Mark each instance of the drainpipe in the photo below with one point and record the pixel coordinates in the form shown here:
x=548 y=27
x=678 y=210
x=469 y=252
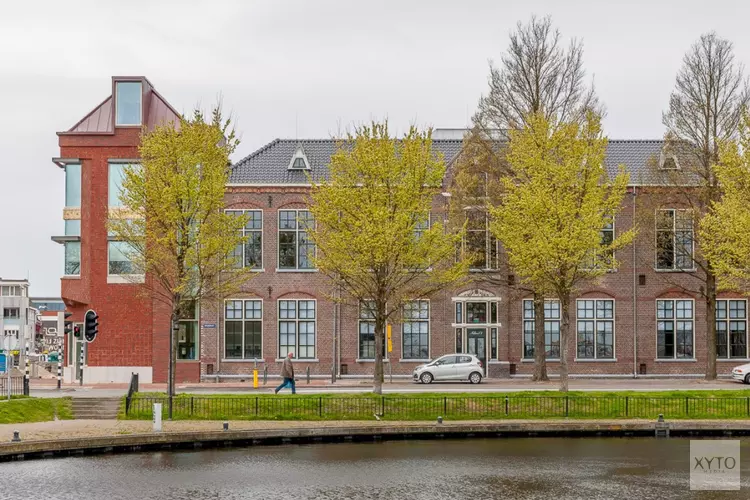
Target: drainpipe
x=635 y=299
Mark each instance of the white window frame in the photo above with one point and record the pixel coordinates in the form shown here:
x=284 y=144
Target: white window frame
x=674 y=319
x=596 y=322
x=243 y=320
x=197 y=320
x=490 y=264
x=299 y=153
x=297 y=321
x=296 y=230
x=429 y=330
x=728 y=320
x=674 y=267
x=524 y=320
x=122 y=278
x=246 y=232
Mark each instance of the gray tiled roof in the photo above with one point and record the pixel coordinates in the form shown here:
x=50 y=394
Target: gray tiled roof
x=270 y=164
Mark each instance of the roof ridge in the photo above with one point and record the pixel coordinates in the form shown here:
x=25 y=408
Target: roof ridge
x=635 y=140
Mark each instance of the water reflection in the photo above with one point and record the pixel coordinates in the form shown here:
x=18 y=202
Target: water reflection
x=549 y=469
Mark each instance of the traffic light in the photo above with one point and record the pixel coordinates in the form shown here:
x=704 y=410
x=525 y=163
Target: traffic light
x=68 y=326
x=90 y=325
x=77 y=332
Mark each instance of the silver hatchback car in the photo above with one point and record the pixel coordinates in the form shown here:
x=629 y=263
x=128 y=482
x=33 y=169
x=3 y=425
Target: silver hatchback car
x=450 y=367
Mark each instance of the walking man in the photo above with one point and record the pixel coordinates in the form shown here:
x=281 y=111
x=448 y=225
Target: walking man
x=287 y=373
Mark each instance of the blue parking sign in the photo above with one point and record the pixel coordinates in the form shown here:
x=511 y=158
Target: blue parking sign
x=3 y=357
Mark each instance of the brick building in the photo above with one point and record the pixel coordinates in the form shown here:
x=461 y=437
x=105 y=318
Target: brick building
x=133 y=334
x=644 y=318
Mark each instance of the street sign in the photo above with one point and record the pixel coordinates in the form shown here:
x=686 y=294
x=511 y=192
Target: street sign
x=3 y=362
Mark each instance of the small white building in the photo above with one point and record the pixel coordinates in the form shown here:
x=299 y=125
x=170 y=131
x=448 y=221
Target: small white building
x=18 y=320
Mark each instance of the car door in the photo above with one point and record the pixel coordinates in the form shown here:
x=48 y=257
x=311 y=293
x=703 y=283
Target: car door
x=445 y=368
x=464 y=367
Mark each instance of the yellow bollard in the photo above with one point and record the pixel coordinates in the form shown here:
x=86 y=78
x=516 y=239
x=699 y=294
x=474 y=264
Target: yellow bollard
x=255 y=379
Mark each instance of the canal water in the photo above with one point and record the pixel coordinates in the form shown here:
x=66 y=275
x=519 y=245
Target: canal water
x=531 y=468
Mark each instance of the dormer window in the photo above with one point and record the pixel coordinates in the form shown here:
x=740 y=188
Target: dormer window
x=299 y=161
x=668 y=161
x=128 y=103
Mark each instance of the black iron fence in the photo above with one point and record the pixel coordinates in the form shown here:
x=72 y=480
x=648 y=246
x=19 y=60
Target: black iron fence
x=429 y=408
x=15 y=384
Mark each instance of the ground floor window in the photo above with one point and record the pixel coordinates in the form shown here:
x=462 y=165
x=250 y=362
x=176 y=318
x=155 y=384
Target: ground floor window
x=297 y=328
x=674 y=329
x=367 y=331
x=243 y=338
x=731 y=328
x=596 y=329
x=551 y=329
x=188 y=333
x=415 y=330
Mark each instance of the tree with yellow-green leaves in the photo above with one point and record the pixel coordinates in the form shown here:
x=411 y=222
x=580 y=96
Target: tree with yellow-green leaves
x=376 y=239
x=555 y=204
x=724 y=230
x=172 y=222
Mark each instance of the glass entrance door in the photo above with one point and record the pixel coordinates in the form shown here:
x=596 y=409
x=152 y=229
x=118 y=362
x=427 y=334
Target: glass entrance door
x=476 y=344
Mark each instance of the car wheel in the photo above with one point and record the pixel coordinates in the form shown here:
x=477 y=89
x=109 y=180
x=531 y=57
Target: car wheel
x=475 y=377
x=747 y=378
x=426 y=378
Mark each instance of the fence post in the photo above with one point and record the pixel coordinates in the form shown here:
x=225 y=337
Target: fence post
x=566 y=406
x=192 y=406
x=445 y=406
x=687 y=410
x=320 y=406
x=256 y=406
x=626 y=405
x=382 y=406
x=748 y=406
x=506 y=406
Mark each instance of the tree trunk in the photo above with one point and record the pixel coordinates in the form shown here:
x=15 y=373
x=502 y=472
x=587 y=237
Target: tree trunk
x=377 y=381
x=711 y=325
x=540 y=357
x=564 y=335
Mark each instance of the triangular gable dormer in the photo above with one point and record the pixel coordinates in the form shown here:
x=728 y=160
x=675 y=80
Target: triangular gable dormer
x=668 y=161
x=299 y=160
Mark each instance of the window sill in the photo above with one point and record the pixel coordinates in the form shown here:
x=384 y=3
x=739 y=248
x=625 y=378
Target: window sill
x=248 y=360
x=188 y=361
x=595 y=360
x=675 y=270
x=673 y=360
x=556 y=360
x=402 y=360
x=732 y=360
x=296 y=270
x=126 y=279
x=297 y=360
x=370 y=360
x=496 y=362
x=71 y=277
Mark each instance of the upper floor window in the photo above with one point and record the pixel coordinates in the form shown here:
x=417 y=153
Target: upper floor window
x=674 y=329
x=250 y=252
x=11 y=313
x=480 y=245
x=596 y=329
x=551 y=329
x=296 y=249
x=73 y=227
x=674 y=240
x=73 y=185
x=11 y=291
x=121 y=256
x=299 y=161
x=128 y=100
x=72 y=258
x=731 y=329
x=116 y=176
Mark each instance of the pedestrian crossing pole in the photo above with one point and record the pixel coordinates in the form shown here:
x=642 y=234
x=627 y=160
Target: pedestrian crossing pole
x=26 y=373
x=59 y=367
x=80 y=380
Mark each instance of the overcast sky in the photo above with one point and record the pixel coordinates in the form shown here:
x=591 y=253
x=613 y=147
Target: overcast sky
x=302 y=69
